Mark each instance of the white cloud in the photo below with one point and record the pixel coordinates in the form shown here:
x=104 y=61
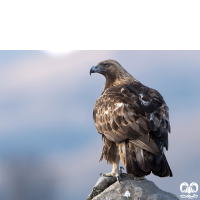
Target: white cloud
x=58 y=52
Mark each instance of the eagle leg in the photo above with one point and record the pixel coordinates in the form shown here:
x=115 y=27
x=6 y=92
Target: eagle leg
x=116 y=170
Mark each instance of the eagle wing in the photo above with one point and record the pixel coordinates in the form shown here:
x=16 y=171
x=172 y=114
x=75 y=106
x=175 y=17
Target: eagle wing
x=135 y=113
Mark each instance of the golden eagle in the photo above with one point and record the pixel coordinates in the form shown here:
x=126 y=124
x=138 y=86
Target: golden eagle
x=134 y=122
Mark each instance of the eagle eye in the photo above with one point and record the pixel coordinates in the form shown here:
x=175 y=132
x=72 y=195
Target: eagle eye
x=106 y=65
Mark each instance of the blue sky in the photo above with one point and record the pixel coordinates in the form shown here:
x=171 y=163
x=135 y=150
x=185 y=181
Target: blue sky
x=46 y=108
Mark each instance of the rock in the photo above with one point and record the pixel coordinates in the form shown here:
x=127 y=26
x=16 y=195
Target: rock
x=101 y=185
x=107 y=188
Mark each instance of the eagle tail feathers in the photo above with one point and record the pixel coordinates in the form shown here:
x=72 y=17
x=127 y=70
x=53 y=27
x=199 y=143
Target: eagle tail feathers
x=140 y=162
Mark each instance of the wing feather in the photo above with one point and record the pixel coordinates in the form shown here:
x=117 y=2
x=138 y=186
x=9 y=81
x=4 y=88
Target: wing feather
x=132 y=112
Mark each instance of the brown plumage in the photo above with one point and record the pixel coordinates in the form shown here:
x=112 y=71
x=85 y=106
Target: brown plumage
x=134 y=119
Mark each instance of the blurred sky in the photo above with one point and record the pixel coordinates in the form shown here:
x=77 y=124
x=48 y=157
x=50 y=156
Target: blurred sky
x=49 y=147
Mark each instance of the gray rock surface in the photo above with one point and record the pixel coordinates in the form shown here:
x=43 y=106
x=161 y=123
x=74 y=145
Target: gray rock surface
x=101 y=185
x=107 y=188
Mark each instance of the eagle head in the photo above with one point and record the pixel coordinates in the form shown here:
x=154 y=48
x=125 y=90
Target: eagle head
x=106 y=68
x=114 y=73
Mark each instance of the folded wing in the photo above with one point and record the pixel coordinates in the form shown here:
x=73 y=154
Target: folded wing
x=135 y=113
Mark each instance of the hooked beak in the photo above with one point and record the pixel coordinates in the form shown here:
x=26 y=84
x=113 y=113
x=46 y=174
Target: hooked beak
x=97 y=69
x=93 y=70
